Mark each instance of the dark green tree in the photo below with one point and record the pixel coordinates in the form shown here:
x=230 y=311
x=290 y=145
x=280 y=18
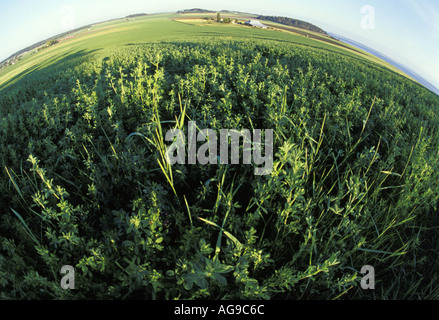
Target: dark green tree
x=51 y=42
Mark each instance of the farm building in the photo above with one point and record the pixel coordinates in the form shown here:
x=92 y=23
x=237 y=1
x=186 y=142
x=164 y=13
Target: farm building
x=256 y=23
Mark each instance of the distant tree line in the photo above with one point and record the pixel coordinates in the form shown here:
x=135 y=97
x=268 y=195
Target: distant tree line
x=136 y=15
x=195 y=10
x=10 y=61
x=51 y=42
x=45 y=42
x=198 y=10
x=293 y=23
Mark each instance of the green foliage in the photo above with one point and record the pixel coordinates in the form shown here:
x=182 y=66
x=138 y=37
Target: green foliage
x=293 y=23
x=51 y=42
x=85 y=182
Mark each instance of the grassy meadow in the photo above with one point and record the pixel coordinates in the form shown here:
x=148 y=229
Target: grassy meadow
x=85 y=181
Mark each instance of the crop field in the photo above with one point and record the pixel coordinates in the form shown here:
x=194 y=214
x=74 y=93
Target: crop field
x=86 y=182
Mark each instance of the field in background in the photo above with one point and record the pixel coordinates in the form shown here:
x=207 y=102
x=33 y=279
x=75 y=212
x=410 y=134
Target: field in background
x=167 y=27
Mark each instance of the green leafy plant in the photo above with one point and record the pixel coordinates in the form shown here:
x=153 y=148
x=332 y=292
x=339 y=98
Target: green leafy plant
x=86 y=181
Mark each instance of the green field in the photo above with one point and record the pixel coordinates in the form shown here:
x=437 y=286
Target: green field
x=108 y=36
x=85 y=181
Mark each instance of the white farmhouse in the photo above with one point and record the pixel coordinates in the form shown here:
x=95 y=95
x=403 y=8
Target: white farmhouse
x=256 y=23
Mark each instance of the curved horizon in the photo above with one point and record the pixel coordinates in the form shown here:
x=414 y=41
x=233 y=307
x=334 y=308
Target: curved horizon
x=407 y=32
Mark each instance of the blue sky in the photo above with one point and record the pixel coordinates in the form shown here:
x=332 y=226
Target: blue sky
x=404 y=30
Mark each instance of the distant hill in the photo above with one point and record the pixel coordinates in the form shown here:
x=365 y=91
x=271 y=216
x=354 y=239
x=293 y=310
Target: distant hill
x=137 y=15
x=195 y=10
x=41 y=43
x=282 y=20
x=198 y=10
x=293 y=23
